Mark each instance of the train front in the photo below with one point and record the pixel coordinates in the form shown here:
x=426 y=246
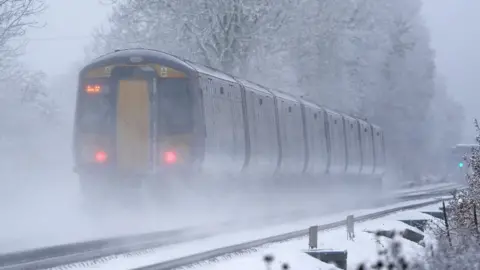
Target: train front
x=134 y=122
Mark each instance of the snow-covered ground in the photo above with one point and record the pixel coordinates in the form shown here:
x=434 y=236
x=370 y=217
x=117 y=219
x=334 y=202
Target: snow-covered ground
x=291 y=251
x=48 y=212
x=363 y=249
x=426 y=188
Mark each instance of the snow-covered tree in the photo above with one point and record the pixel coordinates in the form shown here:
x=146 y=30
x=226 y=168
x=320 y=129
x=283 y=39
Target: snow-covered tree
x=16 y=17
x=402 y=100
x=29 y=113
x=458 y=247
x=224 y=34
x=446 y=119
x=469 y=199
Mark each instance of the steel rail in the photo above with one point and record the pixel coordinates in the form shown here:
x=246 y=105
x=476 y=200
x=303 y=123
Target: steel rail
x=59 y=255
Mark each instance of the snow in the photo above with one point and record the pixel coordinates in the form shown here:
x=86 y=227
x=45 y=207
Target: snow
x=426 y=189
x=362 y=250
x=296 y=259
x=60 y=223
x=129 y=261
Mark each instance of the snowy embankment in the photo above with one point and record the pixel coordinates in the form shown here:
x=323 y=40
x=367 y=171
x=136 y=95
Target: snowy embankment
x=363 y=249
x=288 y=251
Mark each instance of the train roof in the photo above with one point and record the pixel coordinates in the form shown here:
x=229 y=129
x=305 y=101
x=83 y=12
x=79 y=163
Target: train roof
x=211 y=71
x=311 y=104
x=285 y=96
x=139 y=55
x=349 y=117
x=332 y=112
x=363 y=122
x=255 y=87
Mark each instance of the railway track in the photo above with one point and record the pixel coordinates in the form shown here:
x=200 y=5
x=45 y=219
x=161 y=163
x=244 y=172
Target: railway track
x=61 y=255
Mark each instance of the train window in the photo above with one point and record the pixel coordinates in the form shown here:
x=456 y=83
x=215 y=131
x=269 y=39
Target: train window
x=335 y=122
x=289 y=109
x=378 y=133
x=94 y=112
x=351 y=125
x=221 y=90
x=260 y=101
x=315 y=116
x=365 y=129
x=175 y=106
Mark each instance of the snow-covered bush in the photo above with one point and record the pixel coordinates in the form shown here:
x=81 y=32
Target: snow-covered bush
x=466 y=202
x=459 y=246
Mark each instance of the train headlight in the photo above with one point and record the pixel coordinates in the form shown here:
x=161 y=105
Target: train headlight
x=460 y=164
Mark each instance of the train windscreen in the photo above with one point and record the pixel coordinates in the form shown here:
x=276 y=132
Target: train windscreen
x=175 y=107
x=95 y=107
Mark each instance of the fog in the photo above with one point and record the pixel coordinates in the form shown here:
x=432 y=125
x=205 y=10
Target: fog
x=455 y=37
x=337 y=64
x=67 y=30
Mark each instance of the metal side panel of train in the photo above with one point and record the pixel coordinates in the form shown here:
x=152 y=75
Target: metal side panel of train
x=263 y=140
x=379 y=150
x=292 y=142
x=366 y=142
x=225 y=144
x=137 y=113
x=317 y=139
x=352 y=138
x=336 y=136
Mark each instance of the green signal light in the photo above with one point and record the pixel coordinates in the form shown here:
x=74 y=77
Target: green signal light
x=460 y=164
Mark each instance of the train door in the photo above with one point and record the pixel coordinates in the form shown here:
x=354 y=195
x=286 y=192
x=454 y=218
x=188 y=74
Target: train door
x=133 y=118
x=133 y=125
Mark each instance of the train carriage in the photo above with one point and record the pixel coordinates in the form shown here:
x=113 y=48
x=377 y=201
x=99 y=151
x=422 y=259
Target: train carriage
x=316 y=136
x=145 y=114
x=263 y=146
x=352 y=138
x=291 y=131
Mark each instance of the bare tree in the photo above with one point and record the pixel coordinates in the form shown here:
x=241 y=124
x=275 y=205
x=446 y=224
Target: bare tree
x=224 y=34
x=16 y=17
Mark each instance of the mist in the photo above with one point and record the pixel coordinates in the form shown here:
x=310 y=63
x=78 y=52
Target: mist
x=405 y=67
x=455 y=38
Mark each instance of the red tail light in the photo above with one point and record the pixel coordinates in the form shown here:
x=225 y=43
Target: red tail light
x=170 y=157
x=101 y=157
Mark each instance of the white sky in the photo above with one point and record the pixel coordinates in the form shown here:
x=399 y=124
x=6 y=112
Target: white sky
x=454 y=26
x=69 y=24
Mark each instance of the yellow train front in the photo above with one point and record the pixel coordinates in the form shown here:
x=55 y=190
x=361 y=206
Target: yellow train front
x=135 y=119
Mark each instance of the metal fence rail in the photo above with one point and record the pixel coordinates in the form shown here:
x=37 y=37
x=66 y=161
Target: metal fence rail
x=209 y=255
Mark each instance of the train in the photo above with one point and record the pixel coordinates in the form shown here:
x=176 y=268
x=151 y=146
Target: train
x=147 y=114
